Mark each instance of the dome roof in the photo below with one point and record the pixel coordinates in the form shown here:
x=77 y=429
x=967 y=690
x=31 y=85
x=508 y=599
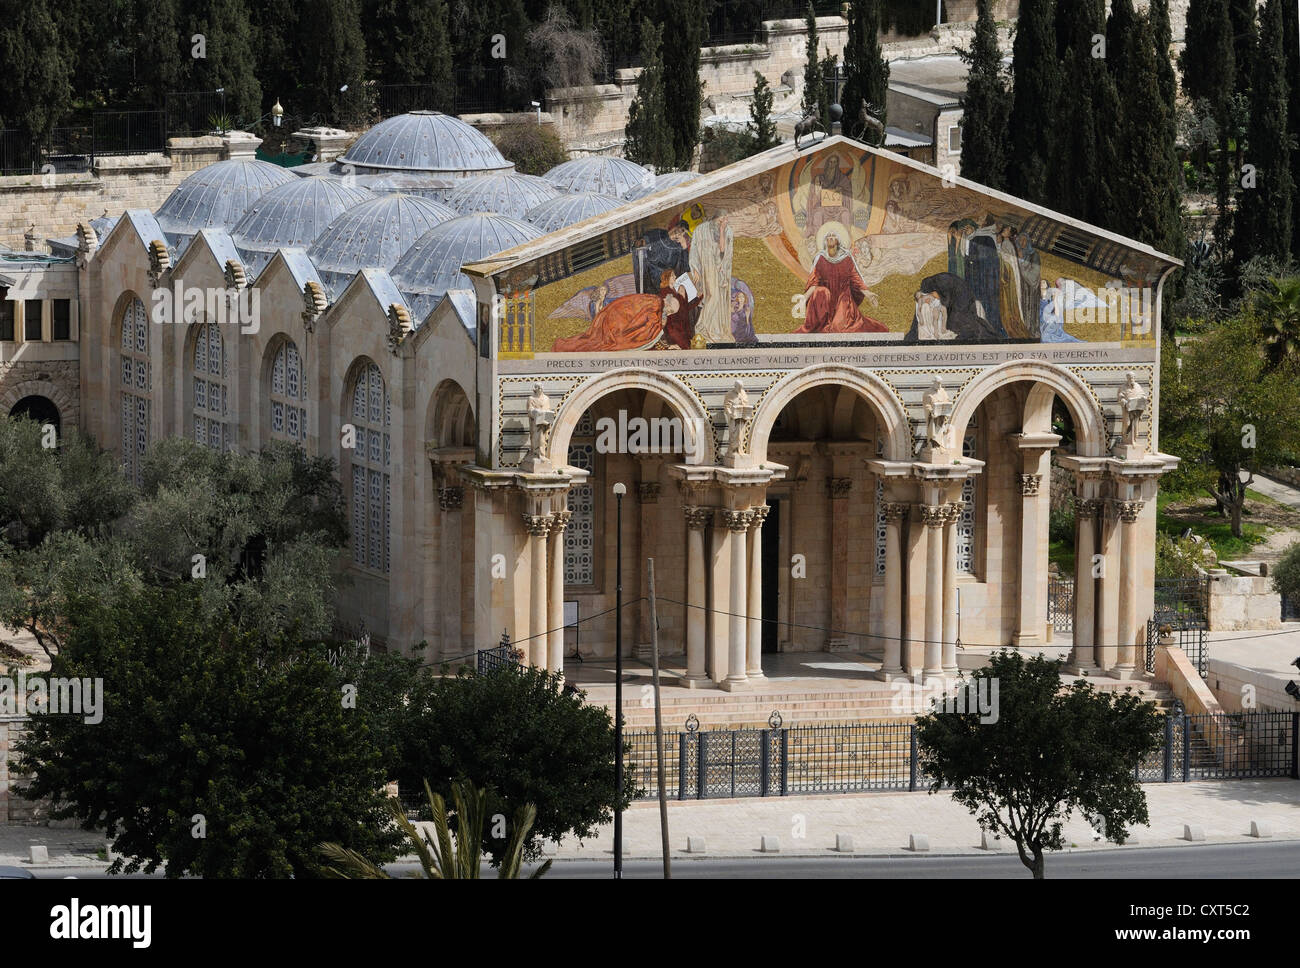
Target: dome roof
x=435 y=187
x=669 y=179
x=432 y=265
x=564 y=210
x=599 y=174
x=508 y=193
x=292 y=215
x=425 y=141
x=375 y=233
x=217 y=196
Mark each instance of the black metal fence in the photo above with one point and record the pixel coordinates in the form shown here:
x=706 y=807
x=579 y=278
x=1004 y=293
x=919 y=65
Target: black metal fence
x=194 y=113
x=129 y=132
x=863 y=757
x=498 y=657
x=75 y=148
x=1060 y=603
x=1183 y=602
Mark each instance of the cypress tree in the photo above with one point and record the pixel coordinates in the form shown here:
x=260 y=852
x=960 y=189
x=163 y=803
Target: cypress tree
x=37 y=90
x=423 y=57
x=649 y=138
x=334 y=56
x=865 y=71
x=1291 y=56
x=683 y=90
x=1119 y=26
x=1209 y=73
x=1264 y=219
x=228 y=62
x=985 y=106
x=1163 y=35
x=1245 y=37
x=762 y=127
x=1034 y=100
x=814 y=82
x=1078 y=155
x=278 y=52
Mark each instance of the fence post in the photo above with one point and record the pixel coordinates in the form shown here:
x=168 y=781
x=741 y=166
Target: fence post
x=1295 y=746
x=732 y=771
x=765 y=737
x=785 y=760
x=1187 y=747
x=912 y=758
x=1169 y=748
x=701 y=757
x=681 y=765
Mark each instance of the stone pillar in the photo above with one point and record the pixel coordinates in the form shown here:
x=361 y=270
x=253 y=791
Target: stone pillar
x=1129 y=632
x=718 y=576
x=893 y=611
x=838 y=489
x=950 y=587
x=697 y=519
x=1083 y=659
x=555 y=611
x=934 y=516
x=1030 y=630
x=647 y=493
x=754 y=652
x=539 y=526
x=451 y=498
x=737 y=523
x=1106 y=605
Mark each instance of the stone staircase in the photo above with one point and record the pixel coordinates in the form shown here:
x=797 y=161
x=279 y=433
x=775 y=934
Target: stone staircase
x=736 y=710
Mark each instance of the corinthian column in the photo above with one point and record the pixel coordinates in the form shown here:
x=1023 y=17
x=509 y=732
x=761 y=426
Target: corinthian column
x=950 y=587
x=697 y=519
x=737 y=523
x=1126 y=666
x=1083 y=659
x=934 y=516
x=1030 y=633
x=539 y=526
x=754 y=665
x=893 y=624
x=555 y=611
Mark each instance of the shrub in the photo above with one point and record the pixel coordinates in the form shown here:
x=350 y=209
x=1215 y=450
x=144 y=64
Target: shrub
x=1286 y=574
x=534 y=148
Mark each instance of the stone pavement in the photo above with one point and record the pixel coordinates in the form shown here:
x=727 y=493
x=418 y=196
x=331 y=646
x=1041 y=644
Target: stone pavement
x=881 y=823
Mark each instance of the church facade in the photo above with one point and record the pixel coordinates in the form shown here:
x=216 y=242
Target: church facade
x=833 y=385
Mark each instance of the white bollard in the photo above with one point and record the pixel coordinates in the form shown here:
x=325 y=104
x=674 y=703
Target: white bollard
x=1261 y=828
x=770 y=845
x=844 y=843
x=989 y=841
x=40 y=854
x=918 y=842
x=695 y=845
x=1193 y=832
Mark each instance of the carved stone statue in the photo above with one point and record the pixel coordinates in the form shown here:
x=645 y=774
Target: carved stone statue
x=540 y=419
x=938 y=411
x=1133 y=403
x=739 y=412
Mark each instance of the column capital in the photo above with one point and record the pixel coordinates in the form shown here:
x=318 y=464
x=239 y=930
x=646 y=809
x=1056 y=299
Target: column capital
x=759 y=513
x=934 y=515
x=737 y=521
x=1029 y=484
x=1087 y=507
x=537 y=525
x=1128 y=511
x=838 y=487
x=647 y=492
x=952 y=511
x=698 y=518
x=451 y=497
x=560 y=520
x=896 y=511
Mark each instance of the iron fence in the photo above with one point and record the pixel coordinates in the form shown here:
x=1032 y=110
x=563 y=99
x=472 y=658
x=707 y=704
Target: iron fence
x=1060 y=604
x=1193 y=640
x=128 y=132
x=1183 y=602
x=395 y=99
x=498 y=657
x=194 y=113
x=862 y=757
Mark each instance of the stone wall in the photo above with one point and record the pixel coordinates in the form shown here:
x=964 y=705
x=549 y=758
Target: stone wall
x=1243 y=602
x=1236 y=685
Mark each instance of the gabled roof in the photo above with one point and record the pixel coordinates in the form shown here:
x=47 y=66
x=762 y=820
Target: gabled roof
x=216 y=241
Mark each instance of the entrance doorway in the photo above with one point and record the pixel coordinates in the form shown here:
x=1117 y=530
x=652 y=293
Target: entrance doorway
x=772 y=576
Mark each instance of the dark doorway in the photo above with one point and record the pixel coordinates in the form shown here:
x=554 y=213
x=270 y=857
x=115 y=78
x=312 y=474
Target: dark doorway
x=37 y=408
x=772 y=576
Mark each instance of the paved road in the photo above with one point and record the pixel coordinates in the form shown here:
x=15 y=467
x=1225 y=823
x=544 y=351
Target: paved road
x=1209 y=862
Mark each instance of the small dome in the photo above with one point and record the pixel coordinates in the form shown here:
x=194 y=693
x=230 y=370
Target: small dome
x=292 y=215
x=216 y=197
x=435 y=187
x=373 y=234
x=426 y=141
x=599 y=174
x=669 y=179
x=432 y=265
x=508 y=194
x=565 y=210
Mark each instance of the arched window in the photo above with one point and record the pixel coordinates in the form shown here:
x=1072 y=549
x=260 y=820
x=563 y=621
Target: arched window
x=136 y=388
x=210 y=401
x=371 y=417
x=288 y=395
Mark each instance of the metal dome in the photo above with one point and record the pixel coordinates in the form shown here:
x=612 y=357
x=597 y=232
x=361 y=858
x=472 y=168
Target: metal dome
x=565 y=210
x=373 y=234
x=217 y=196
x=426 y=141
x=599 y=174
x=431 y=266
x=292 y=216
x=435 y=187
x=508 y=194
x=669 y=179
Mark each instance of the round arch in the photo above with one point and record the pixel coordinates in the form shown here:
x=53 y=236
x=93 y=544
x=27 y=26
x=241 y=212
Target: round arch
x=868 y=386
x=16 y=397
x=1048 y=379
x=449 y=420
x=39 y=408
x=684 y=403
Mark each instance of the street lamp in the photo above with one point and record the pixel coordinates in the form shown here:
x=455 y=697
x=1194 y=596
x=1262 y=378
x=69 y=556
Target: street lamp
x=277 y=113
x=619 y=490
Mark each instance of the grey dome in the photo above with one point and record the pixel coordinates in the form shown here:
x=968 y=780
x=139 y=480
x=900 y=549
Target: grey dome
x=435 y=187
x=508 y=194
x=292 y=216
x=432 y=265
x=373 y=234
x=217 y=196
x=564 y=210
x=669 y=179
x=426 y=141
x=599 y=174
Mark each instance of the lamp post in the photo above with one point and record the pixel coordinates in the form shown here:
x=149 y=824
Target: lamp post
x=619 y=490
x=277 y=113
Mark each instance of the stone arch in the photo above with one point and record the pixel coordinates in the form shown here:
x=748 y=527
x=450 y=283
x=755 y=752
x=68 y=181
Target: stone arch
x=1048 y=379
x=268 y=396
x=685 y=405
x=893 y=416
x=449 y=421
x=58 y=397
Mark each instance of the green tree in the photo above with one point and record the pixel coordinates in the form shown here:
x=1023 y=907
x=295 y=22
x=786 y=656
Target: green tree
x=515 y=733
x=1263 y=224
x=1245 y=36
x=866 y=75
x=158 y=50
x=761 y=126
x=1277 y=307
x=683 y=89
x=985 y=106
x=1163 y=36
x=423 y=56
x=38 y=64
x=1291 y=55
x=1049 y=752
x=1084 y=149
x=1034 y=100
x=206 y=723
x=279 y=54
x=1286 y=574
x=534 y=148
x=649 y=134
x=227 y=60
x=1209 y=72
x=815 y=97
x=334 y=63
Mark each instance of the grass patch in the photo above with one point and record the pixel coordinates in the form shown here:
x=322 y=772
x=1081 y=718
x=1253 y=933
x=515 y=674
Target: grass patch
x=1214 y=529
x=1063 y=555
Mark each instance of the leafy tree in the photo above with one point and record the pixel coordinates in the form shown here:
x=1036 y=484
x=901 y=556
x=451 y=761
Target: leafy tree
x=815 y=97
x=37 y=89
x=334 y=63
x=228 y=62
x=985 y=106
x=1034 y=100
x=534 y=148
x=1226 y=412
x=1209 y=73
x=423 y=56
x=1277 y=306
x=1263 y=224
x=439 y=859
x=158 y=50
x=204 y=722
x=1163 y=36
x=515 y=733
x=649 y=135
x=1291 y=55
x=683 y=89
x=761 y=126
x=1082 y=153
x=1245 y=35
x=1286 y=574
x=1050 y=752
x=866 y=83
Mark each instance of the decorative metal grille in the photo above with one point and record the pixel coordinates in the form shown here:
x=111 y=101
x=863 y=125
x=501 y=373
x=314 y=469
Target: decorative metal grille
x=210 y=368
x=371 y=484
x=881 y=528
x=580 y=534
x=288 y=395
x=966 y=523
x=137 y=387
x=1060 y=603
